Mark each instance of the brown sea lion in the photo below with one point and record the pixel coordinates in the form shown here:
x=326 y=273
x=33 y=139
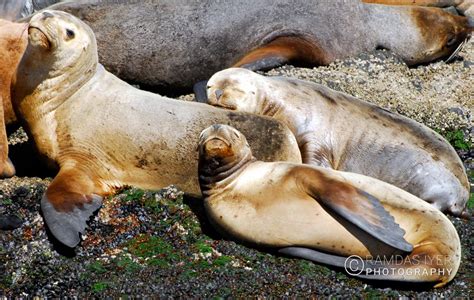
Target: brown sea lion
x=104 y=134
x=167 y=45
x=324 y=215
x=465 y=7
x=13 y=42
x=341 y=132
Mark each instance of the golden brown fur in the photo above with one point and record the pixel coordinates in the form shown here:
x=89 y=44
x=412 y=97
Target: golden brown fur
x=13 y=41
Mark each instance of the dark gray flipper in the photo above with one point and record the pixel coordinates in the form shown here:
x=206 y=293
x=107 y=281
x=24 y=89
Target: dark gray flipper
x=200 y=91
x=313 y=255
x=67 y=226
x=355 y=206
x=10 y=222
x=266 y=63
x=378 y=269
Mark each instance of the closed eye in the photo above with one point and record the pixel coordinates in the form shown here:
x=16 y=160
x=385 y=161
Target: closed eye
x=451 y=42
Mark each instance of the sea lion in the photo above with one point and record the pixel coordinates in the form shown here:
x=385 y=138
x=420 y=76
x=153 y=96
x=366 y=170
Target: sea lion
x=103 y=133
x=465 y=7
x=322 y=214
x=341 y=132
x=169 y=45
x=13 y=42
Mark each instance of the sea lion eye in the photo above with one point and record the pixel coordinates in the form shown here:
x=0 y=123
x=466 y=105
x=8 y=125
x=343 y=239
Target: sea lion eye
x=70 y=33
x=451 y=41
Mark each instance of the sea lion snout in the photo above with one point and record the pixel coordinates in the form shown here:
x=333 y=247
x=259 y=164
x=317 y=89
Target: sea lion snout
x=218 y=93
x=216 y=142
x=221 y=141
x=216 y=147
x=235 y=89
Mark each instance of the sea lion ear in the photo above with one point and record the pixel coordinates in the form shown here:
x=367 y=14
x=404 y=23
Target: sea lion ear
x=357 y=207
x=67 y=206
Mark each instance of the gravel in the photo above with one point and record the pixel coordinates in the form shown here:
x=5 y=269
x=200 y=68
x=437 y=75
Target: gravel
x=159 y=243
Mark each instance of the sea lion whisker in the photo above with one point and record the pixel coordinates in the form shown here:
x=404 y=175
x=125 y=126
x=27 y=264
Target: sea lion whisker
x=458 y=49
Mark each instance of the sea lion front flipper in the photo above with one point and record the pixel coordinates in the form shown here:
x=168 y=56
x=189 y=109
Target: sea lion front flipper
x=67 y=205
x=283 y=50
x=8 y=169
x=356 y=206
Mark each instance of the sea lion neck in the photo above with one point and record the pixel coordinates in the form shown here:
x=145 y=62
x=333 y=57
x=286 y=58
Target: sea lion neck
x=214 y=173
x=43 y=90
x=282 y=104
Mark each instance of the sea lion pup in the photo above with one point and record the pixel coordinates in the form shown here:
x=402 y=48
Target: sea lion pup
x=338 y=131
x=168 y=45
x=13 y=42
x=322 y=214
x=103 y=133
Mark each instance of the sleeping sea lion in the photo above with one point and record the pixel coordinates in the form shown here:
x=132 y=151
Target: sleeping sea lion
x=324 y=215
x=168 y=45
x=341 y=132
x=103 y=134
x=465 y=7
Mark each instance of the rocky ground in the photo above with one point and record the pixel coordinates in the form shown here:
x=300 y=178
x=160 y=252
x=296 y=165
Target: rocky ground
x=159 y=243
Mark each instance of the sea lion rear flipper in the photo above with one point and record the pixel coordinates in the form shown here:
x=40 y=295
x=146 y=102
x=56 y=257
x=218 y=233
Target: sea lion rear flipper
x=357 y=207
x=68 y=204
x=314 y=255
x=283 y=50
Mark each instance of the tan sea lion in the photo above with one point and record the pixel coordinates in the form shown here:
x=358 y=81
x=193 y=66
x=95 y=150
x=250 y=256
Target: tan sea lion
x=13 y=42
x=341 y=132
x=167 y=45
x=324 y=215
x=103 y=133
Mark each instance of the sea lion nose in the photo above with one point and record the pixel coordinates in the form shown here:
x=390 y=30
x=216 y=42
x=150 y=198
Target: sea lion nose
x=218 y=94
x=47 y=15
x=216 y=126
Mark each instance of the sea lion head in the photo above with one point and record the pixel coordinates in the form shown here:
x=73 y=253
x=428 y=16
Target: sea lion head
x=222 y=150
x=236 y=89
x=439 y=34
x=62 y=52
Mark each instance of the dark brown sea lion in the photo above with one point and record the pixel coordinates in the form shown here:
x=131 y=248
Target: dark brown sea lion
x=103 y=133
x=322 y=214
x=465 y=7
